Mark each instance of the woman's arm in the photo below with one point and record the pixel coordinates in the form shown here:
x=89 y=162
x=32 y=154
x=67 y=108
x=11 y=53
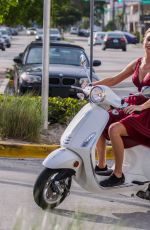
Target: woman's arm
x=125 y=73
x=131 y=108
x=146 y=105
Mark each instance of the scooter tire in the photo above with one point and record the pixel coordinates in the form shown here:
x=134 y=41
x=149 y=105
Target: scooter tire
x=39 y=187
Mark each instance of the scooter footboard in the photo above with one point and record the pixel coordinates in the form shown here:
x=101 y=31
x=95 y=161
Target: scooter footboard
x=63 y=158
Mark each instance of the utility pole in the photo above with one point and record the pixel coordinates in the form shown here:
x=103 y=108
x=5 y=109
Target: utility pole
x=91 y=36
x=123 y=15
x=45 y=62
x=113 y=13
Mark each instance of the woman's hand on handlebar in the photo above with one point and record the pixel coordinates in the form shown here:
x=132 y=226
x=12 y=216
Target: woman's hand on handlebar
x=133 y=108
x=85 y=84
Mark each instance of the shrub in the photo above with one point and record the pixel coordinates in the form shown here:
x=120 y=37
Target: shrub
x=20 y=117
x=62 y=110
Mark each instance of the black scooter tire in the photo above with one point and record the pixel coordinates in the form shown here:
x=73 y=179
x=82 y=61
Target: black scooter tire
x=39 y=189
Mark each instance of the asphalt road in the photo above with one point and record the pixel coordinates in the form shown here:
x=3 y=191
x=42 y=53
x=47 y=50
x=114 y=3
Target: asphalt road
x=81 y=209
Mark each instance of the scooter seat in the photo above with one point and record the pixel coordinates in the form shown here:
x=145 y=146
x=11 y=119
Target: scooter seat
x=129 y=142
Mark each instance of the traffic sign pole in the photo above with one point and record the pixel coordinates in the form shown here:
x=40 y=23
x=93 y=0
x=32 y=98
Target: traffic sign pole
x=45 y=63
x=91 y=36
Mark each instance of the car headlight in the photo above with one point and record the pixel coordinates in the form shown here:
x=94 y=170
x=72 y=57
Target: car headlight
x=30 y=78
x=97 y=94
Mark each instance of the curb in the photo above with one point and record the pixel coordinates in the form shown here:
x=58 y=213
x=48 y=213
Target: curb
x=34 y=150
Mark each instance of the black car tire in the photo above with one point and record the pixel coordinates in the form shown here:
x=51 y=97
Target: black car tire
x=9 y=45
x=20 y=90
x=3 y=48
x=124 y=49
x=104 y=48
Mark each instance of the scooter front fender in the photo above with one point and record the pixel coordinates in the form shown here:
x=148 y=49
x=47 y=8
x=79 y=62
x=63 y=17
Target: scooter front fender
x=63 y=158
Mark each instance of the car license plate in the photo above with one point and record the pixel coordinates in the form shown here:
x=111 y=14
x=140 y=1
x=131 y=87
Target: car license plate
x=115 y=41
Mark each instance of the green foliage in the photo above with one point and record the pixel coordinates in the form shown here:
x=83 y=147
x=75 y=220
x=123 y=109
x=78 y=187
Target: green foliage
x=10 y=73
x=21 y=117
x=62 y=110
x=85 y=23
x=139 y=36
x=27 y=12
x=64 y=13
x=110 y=26
x=4 y=8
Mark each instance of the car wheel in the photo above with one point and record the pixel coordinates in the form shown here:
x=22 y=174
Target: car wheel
x=3 y=48
x=103 y=48
x=20 y=90
x=124 y=49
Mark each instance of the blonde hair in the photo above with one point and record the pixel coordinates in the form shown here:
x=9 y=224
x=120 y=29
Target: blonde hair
x=146 y=32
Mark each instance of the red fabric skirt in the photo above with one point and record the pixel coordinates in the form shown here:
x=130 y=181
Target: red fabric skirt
x=136 y=124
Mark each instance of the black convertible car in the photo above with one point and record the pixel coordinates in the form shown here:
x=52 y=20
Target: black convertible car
x=64 y=69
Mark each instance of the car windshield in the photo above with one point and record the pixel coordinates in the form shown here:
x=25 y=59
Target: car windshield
x=3 y=32
x=117 y=35
x=58 y=55
x=40 y=31
x=54 y=31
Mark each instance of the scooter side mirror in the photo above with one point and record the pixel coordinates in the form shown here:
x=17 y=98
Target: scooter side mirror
x=146 y=91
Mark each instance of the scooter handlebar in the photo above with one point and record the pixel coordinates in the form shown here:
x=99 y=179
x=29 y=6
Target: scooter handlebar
x=85 y=90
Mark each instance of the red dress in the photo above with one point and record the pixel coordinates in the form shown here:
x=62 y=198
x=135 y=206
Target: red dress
x=137 y=125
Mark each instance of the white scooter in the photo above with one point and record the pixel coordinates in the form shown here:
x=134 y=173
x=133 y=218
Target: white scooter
x=76 y=156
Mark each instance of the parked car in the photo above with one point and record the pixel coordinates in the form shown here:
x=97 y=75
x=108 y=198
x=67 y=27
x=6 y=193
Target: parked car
x=39 y=34
x=54 y=34
x=83 y=33
x=6 y=38
x=14 y=31
x=114 y=40
x=2 y=44
x=98 y=38
x=64 y=71
x=31 y=31
x=74 y=30
x=131 y=39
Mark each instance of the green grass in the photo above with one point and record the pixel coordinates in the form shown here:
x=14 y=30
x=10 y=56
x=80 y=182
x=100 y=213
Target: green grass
x=20 y=117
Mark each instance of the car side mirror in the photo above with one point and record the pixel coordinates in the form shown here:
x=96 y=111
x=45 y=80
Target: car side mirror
x=18 y=60
x=96 y=63
x=83 y=61
x=146 y=91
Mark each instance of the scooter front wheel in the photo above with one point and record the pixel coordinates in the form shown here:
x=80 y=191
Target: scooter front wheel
x=48 y=190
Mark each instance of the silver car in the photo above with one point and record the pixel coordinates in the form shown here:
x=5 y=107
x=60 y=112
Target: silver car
x=55 y=34
x=97 y=38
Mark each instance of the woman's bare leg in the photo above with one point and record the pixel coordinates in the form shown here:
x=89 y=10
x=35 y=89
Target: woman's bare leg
x=100 y=147
x=116 y=131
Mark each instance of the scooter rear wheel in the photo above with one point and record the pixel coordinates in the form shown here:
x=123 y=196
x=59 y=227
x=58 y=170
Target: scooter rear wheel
x=48 y=192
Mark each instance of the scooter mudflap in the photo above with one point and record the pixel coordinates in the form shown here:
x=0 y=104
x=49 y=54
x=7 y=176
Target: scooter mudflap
x=144 y=194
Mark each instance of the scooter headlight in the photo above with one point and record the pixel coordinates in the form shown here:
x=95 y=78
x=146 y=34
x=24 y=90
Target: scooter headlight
x=97 y=94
